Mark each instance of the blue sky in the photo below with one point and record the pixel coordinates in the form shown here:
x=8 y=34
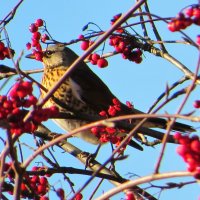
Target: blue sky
x=140 y=84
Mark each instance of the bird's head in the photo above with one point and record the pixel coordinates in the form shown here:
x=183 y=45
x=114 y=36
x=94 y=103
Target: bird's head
x=56 y=56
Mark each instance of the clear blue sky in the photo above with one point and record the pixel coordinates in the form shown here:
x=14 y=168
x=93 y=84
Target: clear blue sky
x=140 y=84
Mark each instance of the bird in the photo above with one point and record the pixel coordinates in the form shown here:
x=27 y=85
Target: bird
x=83 y=92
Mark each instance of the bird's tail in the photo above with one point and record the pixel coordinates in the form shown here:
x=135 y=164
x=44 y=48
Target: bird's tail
x=162 y=123
x=156 y=122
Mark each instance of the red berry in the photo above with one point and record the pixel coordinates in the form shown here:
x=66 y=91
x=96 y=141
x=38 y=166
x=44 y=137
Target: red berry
x=35 y=179
x=188 y=22
x=129 y=104
x=32 y=100
x=39 y=22
x=185 y=140
x=2 y=57
x=171 y=26
x=95 y=130
x=103 y=113
x=112 y=111
x=182 y=150
x=2 y=46
x=34 y=42
x=8 y=53
x=122 y=45
x=130 y=196
x=35 y=168
x=177 y=136
x=61 y=193
x=38 y=47
x=43 y=180
x=198 y=39
x=23 y=187
x=191 y=168
x=21 y=93
x=196 y=12
x=7 y=105
x=44 y=37
x=36 y=35
x=189 y=12
x=81 y=37
x=38 y=55
x=16 y=131
x=95 y=56
x=28 y=46
x=44 y=198
x=16 y=111
x=116 y=40
x=197 y=175
x=110 y=130
x=118 y=49
x=104 y=138
x=114 y=139
x=85 y=45
x=138 y=59
x=93 y=62
x=117 y=16
x=196 y=104
x=54 y=110
x=79 y=196
x=196 y=21
x=33 y=28
x=102 y=62
x=27 y=85
x=41 y=189
x=116 y=101
x=195 y=146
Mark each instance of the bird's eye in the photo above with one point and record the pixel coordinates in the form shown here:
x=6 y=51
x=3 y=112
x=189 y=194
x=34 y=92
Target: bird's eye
x=48 y=53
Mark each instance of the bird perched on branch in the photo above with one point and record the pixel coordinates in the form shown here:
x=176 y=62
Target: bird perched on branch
x=83 y=92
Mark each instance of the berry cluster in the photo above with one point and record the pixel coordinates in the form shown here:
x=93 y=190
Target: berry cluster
x=185 y=18
x=106 y=134
x=31 y=185
x=112 y=109
x=5 y=52
x=126 y=48
x=12 y=109
x=114 y=19
x=38 y=184
x=189 y=150
x=95 y=59
x=109 y=134
x=36 y=38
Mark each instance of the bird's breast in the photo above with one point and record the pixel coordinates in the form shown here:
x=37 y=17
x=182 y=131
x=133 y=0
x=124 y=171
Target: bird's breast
x=65 y=99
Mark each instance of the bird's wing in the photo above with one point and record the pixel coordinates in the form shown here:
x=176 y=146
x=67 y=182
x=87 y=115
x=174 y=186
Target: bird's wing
x=89 y=88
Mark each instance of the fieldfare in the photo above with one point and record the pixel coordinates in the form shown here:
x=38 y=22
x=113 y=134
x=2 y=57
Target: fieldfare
x=83 y=92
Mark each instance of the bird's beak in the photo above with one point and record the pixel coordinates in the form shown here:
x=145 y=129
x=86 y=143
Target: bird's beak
x=31 y=56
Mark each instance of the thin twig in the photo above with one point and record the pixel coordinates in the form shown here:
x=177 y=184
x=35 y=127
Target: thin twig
x=142 y=180
x=190 y=89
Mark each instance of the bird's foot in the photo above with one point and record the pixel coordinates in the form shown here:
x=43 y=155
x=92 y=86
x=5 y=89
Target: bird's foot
x=90 y=156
